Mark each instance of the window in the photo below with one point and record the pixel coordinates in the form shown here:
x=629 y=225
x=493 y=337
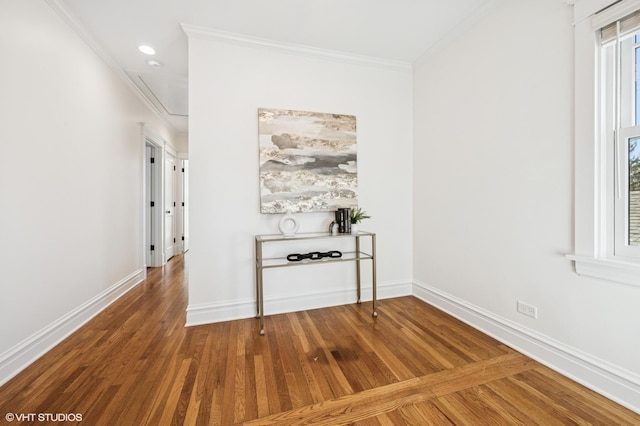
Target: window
x=620 y=133
x=607 y=140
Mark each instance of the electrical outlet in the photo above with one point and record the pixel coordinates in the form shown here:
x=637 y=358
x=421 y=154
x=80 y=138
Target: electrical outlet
x=528 y=310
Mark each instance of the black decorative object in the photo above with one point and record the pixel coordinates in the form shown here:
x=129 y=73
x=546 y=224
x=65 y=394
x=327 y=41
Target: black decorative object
x=314 y=255
x=343 y=219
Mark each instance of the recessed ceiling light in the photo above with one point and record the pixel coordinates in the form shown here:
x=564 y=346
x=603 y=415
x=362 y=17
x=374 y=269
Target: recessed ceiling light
x=153 y=63
x=147 y=50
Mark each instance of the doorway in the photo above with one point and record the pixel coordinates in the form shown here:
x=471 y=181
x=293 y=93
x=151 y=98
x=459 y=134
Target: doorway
x=152 y=203
x=165 y=204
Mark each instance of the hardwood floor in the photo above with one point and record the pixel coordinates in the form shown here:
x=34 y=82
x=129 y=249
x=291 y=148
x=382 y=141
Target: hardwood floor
x=136 y=364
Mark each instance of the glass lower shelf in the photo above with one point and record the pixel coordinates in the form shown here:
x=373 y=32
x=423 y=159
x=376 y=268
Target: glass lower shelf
x=282 y=262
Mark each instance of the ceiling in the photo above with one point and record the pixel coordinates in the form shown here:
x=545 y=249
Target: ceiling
x=398 y=30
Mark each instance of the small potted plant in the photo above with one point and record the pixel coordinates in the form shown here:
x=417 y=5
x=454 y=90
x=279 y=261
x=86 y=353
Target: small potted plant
x=357 y=216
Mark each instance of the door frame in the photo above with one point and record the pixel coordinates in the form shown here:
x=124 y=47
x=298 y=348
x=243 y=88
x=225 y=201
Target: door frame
x=169 y=183
x=183 y=190
x=153 y=233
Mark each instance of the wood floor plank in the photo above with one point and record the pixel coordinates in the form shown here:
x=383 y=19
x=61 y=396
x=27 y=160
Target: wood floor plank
x=228 y=384
x=137 y=364
x=261 y=386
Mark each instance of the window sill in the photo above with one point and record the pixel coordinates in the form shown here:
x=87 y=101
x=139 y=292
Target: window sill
x=620 y=271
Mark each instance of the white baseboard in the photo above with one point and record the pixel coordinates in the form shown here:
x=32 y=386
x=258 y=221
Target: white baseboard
x=615 y=383
x=26 y=352
x=241 y=309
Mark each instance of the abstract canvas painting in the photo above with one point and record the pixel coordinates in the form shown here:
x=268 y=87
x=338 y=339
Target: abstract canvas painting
x=308 y=161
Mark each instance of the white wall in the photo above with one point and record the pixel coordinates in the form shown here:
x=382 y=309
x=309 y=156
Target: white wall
x=70 y=183
x=493 y=195
x=228 y=83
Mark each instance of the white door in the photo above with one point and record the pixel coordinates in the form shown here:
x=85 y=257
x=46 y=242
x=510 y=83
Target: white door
x=153 y=206
x=169 y=207
x=148 y=169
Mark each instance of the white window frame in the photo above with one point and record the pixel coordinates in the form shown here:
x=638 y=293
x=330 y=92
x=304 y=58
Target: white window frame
x=618 y=124
x=594 y=254
x=621 y=201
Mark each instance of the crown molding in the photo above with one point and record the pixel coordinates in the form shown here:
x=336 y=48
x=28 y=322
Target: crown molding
x=204 y=33
x=79 y=28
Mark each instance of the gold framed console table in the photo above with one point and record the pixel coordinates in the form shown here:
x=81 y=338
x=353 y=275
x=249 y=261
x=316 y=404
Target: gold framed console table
x=281 y=262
